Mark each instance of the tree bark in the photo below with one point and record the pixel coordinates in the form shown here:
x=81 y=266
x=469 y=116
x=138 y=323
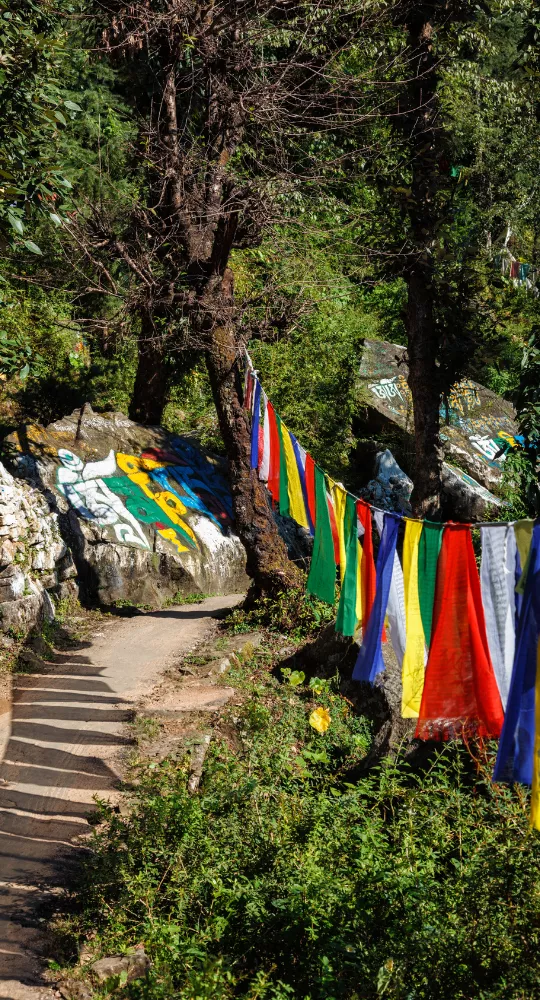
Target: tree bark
x=426 y=395
x=422 y=333
x=151 y=382
x=268 y=563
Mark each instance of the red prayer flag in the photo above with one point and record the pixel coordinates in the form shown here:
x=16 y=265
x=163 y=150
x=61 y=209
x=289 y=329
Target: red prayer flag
x=367 y=569
x=273 y=473
x=460 y=695
x=310 y=487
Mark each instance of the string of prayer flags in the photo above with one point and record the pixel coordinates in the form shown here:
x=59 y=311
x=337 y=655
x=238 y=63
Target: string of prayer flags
x=518 y=757
x=466 y=665
x=460 y=695
x=370 y=661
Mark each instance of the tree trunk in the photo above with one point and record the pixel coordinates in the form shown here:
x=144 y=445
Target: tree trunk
x=268 y=564
x=151 y=382
x=422 y=333
x=424 y=384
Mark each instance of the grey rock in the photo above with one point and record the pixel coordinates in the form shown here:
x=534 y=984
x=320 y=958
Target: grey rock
x=22 y=614
x=135 y=965
x=135 y=531
x=476 y=431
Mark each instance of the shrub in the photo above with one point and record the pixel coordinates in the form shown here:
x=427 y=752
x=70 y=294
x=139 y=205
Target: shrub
x=282 y=879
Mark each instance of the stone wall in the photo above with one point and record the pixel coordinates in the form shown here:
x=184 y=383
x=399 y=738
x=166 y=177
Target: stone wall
x=34 y=559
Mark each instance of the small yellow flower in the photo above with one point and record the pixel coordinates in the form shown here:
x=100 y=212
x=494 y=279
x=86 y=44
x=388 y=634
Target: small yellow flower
x=320 y=719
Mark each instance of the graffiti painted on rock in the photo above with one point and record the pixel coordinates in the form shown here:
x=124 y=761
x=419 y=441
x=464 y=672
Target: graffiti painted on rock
x=157 y=490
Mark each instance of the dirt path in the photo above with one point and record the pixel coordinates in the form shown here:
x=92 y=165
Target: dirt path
x=62 y=744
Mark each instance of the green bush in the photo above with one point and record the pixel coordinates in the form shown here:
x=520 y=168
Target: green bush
x=291 y=612
x=283 y=879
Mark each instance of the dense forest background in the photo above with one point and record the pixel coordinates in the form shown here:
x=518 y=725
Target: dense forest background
x=326 y=269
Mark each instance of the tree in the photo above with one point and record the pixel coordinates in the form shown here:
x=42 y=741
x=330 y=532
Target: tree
x=228 y=100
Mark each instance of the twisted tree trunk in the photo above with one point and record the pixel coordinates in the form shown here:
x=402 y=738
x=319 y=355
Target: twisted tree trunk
x=268 y=564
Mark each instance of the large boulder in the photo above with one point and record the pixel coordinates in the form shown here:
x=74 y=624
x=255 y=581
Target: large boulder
x=34 y=558
x=146 y=515
x=478 y=428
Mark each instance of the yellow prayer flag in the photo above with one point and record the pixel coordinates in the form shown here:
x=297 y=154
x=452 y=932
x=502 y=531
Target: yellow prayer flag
x=339 y=496
x=413 y=669
x=297 y=507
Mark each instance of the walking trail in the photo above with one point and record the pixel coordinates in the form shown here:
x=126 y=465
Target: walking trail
x=63 y=743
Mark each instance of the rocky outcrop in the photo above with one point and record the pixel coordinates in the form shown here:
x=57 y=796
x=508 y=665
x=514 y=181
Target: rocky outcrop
x=478 y=428
x=34 y=559
x=143 y=515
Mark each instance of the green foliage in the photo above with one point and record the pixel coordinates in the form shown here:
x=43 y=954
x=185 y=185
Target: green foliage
x=34 y=111
x=15 y=355
x=290 y=612
x=283 y=879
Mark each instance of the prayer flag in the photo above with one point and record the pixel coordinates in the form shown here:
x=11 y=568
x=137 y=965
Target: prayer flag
x=339 y=496
x=414 y=660
x=346 y=615
x=274 y=456
x=321 y=581
x=284 y=508
x=255 y=425
x=264 y=463
x=296 y=504
x=301 y=460
x=428 y=554
x=310 y=487
x=460 y=693
x=516 y=759
x=370 y=660
x=396 y=601
x=497 y=578
x=368 y=571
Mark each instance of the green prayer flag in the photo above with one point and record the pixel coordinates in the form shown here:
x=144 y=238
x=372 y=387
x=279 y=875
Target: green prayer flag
x=346 y=616
x=321 y=581
x=428 y=555
x=283 y=478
